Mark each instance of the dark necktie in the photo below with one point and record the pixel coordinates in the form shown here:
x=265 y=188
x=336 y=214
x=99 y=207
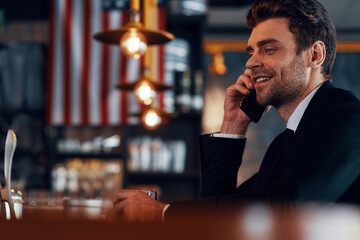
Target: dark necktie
x=288 y=134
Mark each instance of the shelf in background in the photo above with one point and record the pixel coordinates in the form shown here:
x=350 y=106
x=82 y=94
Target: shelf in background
x=183 y=19
x=188 y=115
x=33 y=112
x=89 y=155
x=25 y=152
x=163 y=175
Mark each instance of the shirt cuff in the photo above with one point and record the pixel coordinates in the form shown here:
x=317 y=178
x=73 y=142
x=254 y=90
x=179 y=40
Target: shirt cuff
x=164 y=210
x=226 y=135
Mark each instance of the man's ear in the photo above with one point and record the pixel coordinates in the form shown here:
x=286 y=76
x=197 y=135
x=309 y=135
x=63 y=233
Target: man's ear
x=317 y=54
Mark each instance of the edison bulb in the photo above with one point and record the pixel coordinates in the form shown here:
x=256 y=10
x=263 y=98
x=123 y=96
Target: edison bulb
x=133 y=43
x=151 y=119
x=145 y=92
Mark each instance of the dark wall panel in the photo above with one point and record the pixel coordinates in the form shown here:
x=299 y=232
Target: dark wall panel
x=20 y=10
x=345 y=73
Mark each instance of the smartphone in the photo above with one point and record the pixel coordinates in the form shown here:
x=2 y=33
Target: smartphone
x=251 y=107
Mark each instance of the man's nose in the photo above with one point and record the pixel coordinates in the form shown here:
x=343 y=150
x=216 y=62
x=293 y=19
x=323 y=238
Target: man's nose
x=254 y=62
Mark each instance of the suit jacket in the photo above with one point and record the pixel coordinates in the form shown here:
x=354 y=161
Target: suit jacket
x=322 y=162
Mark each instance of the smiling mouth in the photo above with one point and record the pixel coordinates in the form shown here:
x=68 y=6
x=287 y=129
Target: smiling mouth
x=262 y=79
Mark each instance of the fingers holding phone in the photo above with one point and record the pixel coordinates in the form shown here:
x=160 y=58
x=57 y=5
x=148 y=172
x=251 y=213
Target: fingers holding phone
x=235 y=120
x=236 y=92
x=251 y=108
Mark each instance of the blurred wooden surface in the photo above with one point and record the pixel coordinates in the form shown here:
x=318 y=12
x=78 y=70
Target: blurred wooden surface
x=252 y=222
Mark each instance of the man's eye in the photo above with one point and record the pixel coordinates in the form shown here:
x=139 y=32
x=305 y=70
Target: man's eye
x=250 y=55
x=269 y=50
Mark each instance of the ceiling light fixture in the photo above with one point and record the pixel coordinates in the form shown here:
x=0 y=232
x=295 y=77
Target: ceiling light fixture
x=145 y=88
x=151 y=118
x=133 y=37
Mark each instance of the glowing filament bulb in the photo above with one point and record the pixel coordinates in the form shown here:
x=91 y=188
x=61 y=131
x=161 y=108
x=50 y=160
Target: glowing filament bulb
x=151 y=119
x=133 y=43
x=145 y=92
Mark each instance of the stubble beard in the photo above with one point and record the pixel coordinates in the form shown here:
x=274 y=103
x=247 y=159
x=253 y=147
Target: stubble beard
x=287 y=88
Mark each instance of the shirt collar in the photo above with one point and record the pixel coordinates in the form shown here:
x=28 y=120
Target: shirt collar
x=296 y=116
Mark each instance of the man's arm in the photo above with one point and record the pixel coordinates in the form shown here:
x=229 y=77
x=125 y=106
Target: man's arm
x=137 y=206
x=221 y=157
x=220 y=161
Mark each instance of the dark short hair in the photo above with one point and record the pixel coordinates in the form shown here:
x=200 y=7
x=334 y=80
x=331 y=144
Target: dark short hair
x=309 y=22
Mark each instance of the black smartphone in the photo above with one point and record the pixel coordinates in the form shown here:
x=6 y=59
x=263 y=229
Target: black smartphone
x=251 y=107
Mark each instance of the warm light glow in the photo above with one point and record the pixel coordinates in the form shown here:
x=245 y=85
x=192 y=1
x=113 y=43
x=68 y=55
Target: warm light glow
x=217 y=66
x=135 y=5
x=133 y=43
x=151 y=119
x=145 y=92
x=148 y=101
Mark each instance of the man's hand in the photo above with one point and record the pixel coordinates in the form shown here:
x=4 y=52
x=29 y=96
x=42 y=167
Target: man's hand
x=236 y=121
x=137 y=206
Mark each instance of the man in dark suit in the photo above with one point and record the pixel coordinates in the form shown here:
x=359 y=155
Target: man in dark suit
x=317 y=158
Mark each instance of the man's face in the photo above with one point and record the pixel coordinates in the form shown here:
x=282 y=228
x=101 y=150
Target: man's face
x=280 y=74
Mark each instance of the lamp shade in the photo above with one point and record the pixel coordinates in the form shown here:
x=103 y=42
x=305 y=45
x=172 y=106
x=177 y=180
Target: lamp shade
x=153 y=36
x=158 y=86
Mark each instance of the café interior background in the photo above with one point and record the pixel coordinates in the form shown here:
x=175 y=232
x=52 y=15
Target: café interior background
x=86 y=160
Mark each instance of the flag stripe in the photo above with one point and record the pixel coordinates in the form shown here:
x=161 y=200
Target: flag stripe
x=123 y=79
x=58 y=72
x=85 y=74
x=66 y=60
x=95 y=65
x=49 y=96
x=119 y=81
x=113 y=100
x=76 y=50
x=141 y=105
x=105 y=72
x=123 y=93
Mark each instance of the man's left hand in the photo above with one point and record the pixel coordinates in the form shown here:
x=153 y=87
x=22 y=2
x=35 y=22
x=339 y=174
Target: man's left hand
x=137 y=206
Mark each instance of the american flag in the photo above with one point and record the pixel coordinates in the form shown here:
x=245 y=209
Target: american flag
x=83 y=73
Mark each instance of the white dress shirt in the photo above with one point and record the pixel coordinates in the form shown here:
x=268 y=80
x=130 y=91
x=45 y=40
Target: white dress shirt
x=296 y=116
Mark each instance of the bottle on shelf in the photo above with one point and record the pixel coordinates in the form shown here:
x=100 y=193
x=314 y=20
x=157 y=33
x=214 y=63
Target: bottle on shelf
x=183 y=96
x=153 y=155
x=197 y=101
x=177 y=68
